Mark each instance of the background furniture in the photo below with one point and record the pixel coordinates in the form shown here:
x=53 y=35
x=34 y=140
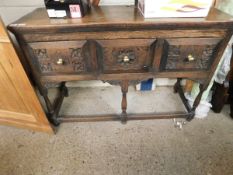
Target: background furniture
x=117 y=45
x=95 y=2
x=230 y=98
x=223 y=93
x=220 y=96
x=19 y=105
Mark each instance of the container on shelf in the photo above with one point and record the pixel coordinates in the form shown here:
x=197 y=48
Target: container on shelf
x=174 y=8
x=67 y=8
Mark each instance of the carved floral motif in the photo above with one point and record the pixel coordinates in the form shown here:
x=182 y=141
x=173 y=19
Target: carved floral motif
x=175 y=57
x=204 y=62
x=41 y=53
x=77 y=59
x=72 y=60
x=124 y=56
x=46 y=67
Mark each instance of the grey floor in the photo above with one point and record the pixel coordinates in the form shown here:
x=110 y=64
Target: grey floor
x=202 y=147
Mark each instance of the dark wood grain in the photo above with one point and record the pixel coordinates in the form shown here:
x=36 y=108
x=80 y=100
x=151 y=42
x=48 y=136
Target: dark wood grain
x=100 y=35
x=114 y=18
x=159 y=54
x=95 y=2
x=123 y=76
x=124 y=90
x=48 y=55
x=136 y=50
x=115 y=117
x=116 y=44
x=202 y=50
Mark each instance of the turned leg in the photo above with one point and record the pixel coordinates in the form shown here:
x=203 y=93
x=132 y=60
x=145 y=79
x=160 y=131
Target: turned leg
x=179 y=89
x=50 y=107
x=53 y=109
x=44 y=93
x=197 y=101
x=124 y=89
x=177 y=85
x=63 y=92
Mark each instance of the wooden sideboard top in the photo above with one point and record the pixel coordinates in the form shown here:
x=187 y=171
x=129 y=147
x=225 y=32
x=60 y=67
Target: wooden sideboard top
x=119 y=17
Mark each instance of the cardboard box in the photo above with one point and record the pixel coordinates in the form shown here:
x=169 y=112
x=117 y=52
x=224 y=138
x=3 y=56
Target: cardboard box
x=174 y=8
x=67 y=8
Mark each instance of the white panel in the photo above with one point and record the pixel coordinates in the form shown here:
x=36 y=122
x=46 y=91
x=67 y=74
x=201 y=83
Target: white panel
x=22 y=3
x=226 y=6
x=10 y=14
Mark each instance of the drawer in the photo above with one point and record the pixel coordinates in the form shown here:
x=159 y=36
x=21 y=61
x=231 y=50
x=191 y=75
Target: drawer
x=189 y=54
x=126 y=55
x=58 y=57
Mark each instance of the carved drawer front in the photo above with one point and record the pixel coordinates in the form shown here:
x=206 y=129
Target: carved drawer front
x=189 y=54
x=59 y=57
x=126 y=55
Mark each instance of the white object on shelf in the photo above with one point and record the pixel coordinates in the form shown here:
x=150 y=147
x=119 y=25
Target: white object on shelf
x=174 y=8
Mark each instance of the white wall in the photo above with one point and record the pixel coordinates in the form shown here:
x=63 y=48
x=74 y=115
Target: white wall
x=226 y=6
x=10 y=10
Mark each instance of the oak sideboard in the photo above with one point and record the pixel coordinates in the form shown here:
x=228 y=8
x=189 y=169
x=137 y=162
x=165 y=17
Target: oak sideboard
x=116 y=44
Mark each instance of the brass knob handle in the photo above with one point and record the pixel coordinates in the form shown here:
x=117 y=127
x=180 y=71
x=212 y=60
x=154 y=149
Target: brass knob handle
x=191 y=58
x=60 y=61
x=126 y=59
